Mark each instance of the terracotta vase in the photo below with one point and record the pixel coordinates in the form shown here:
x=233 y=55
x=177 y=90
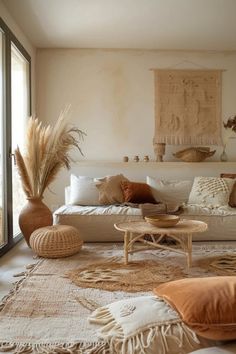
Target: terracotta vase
x=35 y=214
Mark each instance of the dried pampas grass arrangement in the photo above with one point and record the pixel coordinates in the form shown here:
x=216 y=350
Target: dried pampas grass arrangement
x=47 y=151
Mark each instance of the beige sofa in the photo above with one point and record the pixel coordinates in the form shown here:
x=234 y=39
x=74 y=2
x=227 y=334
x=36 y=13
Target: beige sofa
x=96 y=223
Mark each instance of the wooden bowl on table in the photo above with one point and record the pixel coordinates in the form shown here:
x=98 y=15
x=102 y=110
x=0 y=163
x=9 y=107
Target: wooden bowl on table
x=162 y=220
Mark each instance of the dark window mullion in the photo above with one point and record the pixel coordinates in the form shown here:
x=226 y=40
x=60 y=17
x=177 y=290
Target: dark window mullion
x=8 y=169
x=9 y=38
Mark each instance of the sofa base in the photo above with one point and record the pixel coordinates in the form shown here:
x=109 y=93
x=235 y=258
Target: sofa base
x=96 y=224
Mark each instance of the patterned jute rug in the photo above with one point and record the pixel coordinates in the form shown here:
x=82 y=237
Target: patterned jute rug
x=47 y=310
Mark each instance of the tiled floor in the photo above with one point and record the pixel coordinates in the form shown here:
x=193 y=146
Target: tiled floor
x=12 y=263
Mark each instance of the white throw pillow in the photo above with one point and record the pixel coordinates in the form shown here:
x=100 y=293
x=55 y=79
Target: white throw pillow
x=143 y=324
x=211 y=192
x=83 y=191
x=175 y=192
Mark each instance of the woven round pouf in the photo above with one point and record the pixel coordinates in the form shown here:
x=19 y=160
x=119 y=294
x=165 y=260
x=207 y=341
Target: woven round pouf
x=56 y=241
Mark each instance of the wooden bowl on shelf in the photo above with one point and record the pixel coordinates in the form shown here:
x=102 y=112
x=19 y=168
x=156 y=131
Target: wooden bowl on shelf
x=162 y=220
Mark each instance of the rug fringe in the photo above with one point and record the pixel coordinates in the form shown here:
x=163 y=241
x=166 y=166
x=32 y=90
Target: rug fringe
x=57 y=348
x=112 y=333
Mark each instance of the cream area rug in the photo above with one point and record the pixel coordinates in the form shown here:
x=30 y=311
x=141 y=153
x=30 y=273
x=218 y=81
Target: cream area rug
x=46 y=312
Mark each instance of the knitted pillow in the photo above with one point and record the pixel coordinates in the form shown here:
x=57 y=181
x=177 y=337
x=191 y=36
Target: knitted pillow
x=211 y=192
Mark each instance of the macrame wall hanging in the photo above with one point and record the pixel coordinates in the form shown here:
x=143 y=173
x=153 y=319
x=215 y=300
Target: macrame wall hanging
x=187 y=108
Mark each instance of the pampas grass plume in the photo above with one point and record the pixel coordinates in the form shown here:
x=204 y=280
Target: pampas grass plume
x=47 y=152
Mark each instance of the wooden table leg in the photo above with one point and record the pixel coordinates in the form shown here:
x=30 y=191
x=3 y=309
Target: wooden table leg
x=126 y=245
x=130 y=239
x=189 y=256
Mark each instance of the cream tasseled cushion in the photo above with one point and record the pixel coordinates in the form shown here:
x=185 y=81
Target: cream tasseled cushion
x=56 y=241
x=211 y=192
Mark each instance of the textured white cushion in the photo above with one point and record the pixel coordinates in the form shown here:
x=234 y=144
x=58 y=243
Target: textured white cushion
x=83 y=191
x=143 y=324
x=212 y=192
x=175 y=192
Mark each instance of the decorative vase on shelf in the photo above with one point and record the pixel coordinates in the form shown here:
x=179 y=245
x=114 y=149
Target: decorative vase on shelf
x=223 y=156
x=159 y=150
x=35 y=214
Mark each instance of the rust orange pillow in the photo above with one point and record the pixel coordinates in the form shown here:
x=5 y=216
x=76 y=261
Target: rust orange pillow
x=232 y=198
x=206 y=305
x=135 y=192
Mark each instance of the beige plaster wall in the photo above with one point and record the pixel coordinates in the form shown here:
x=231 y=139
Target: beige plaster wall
x=21 y=36
x=112 y=98
x=112 y=95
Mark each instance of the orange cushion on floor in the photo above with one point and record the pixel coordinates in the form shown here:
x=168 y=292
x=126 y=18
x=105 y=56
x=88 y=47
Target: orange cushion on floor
x=206 y=305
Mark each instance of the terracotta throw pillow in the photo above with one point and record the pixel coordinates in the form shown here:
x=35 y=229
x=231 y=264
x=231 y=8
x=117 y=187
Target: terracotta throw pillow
x=232 y=198
x=110 y=191
x=135 y=192
x=206 y=305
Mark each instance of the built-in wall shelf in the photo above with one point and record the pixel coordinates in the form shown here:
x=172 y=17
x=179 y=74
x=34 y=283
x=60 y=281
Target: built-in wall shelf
x=153 y=164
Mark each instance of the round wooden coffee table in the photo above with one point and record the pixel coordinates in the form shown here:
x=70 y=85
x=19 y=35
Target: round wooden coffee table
x=135 y=231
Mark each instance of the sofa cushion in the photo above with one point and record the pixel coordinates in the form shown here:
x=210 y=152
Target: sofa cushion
x=83 y=191
x=207 y=305
x=211 y=191
x=170 y=192
x=143 y=324
x=232 y=198
x=135 y=192
x=110 y=191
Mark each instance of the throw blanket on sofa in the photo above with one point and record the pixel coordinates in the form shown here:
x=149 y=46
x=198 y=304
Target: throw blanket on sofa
x=148 y=209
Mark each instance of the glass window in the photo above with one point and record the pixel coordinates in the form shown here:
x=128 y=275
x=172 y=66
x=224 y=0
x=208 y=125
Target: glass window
x=19 y=115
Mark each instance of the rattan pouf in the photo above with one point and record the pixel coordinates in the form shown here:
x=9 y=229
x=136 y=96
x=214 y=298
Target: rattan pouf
x=56 y=241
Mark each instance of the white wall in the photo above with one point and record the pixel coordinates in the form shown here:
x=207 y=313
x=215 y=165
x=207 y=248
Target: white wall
x=112 y=97
x=12 y=24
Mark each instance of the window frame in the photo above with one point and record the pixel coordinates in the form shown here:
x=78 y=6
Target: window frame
x=8 y=39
